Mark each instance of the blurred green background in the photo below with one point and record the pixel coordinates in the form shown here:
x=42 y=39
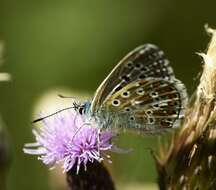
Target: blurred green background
x=73 y=45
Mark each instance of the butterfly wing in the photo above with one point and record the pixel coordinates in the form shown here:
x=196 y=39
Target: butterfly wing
x=143 y=62
x=142 y=91
x=150 y=105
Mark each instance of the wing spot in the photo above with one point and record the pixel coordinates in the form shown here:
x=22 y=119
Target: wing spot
x=157 y=99
x=156 y=106
x=154 y=94
x=129 y=64
x=140 y=91
x=149 y=112
x=138 y=65
x=174 y=112
x=125 y=94
x=165 y=123
x=144 y=69
x=176 y=103
x=142 y=76
x=116 y=102
x=127 y=109
x=132 y=118
x=151 y=120
x=175 y=95
x=160 y=61
x=169 y=120
x=125 y=78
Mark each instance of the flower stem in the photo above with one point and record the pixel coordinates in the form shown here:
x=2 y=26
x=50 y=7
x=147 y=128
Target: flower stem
x=95 y=177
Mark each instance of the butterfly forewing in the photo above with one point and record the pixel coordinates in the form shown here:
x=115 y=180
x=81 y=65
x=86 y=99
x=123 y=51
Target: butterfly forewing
x=143 y=62
x=142 y=92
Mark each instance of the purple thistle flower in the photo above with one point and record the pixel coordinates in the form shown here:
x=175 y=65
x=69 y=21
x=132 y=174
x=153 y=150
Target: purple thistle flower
x=71 y=139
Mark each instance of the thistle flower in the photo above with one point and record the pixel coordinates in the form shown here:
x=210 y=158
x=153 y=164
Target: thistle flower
x=189 y=161
x=71 y=139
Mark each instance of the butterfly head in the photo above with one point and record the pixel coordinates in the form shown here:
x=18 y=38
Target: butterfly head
x=83 y=108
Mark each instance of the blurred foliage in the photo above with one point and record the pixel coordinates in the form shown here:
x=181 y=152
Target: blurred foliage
x=4 y=155
x=74 y=44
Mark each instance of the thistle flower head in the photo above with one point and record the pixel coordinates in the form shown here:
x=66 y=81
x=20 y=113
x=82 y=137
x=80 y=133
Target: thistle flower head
x=189 y=162
x=71 y=139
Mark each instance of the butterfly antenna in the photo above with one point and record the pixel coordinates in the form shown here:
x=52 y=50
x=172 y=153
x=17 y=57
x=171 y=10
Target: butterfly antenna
x=76 y=106
x=62 y=96
x=42 y=118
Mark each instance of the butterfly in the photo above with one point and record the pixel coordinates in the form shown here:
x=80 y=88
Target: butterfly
x=141 y=92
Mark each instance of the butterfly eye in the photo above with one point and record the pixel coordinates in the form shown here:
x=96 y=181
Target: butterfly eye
x=81 y=110
x=125 y=94
x=116 y=102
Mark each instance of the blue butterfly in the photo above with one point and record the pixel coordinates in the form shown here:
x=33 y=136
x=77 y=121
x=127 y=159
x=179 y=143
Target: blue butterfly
x=141 y=92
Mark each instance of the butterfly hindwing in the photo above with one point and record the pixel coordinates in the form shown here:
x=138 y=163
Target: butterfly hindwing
x=143 y=62
x=150 y=105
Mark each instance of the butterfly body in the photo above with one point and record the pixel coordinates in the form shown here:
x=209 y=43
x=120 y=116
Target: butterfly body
x=141 y=92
